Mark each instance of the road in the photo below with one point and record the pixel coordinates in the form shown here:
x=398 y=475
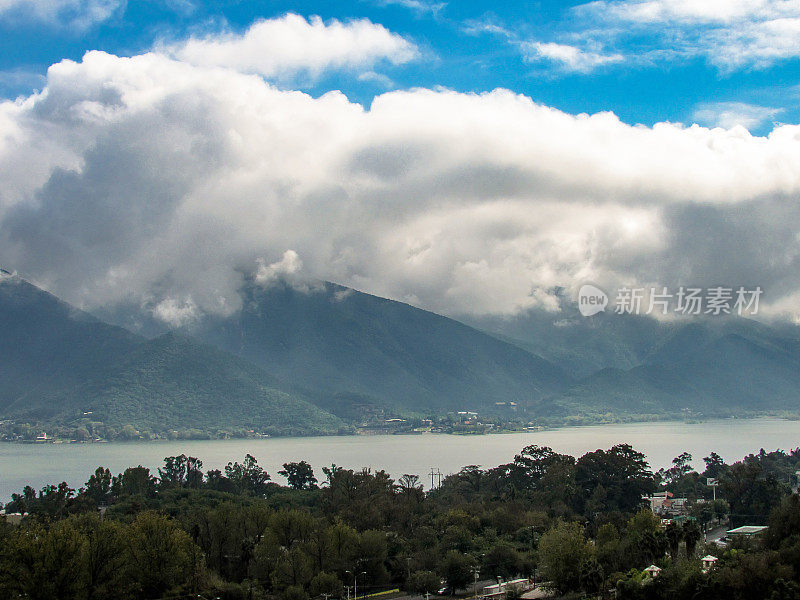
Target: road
x=467 y=593
x=716 y=533
x=537 y=592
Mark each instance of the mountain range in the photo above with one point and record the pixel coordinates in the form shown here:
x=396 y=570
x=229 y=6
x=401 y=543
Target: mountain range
x=316 y=359
x=628 y=364
x=59 y=365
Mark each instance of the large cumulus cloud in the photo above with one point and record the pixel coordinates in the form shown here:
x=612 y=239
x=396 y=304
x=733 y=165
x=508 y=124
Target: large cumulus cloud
x=152 y=181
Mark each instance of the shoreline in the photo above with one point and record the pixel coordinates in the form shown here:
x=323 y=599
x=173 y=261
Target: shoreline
x=367 y=433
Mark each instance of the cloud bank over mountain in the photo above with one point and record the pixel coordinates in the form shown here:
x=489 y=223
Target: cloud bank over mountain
x=164 y=179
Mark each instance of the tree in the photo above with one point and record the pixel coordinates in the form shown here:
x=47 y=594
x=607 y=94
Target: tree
x=215 y=480
x=785 y=590
x=621 y=471
x=692 y=535
x=456 y=569
x=104 y=556
x=562 y=552
x=46 y=564
x=134 y=481
x=674 y=537
x=294 y=592
x=293 y=568
x=371 y=553
x=181 y=471
x=784 y=522
x=300 y=475
x=751 y=491
x=409 y=482
x=607 y=544
x=128 y=432
x=98 y=488
x=714 y=465
x=681 y=466
x=325 y=584
x=423 y=582
x=160 y=554
x=54 y=500
x=591 y=576
x=502 y=560
x=248 y=477
x=721 y=509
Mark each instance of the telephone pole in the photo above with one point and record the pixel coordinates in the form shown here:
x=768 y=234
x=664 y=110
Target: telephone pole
x=436 y=478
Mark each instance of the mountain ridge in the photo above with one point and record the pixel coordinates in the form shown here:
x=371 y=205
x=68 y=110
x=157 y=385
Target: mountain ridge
x=338 y=340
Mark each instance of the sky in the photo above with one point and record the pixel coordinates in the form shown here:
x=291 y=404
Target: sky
x=470 y=158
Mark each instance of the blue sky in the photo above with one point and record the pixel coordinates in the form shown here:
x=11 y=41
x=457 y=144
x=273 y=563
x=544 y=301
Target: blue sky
x=658 y=71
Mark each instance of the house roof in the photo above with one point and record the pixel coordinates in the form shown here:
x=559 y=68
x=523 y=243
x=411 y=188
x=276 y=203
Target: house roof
x=747 y=530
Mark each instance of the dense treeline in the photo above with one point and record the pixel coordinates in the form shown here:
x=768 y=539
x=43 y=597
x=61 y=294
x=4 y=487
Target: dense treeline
x=580 y=525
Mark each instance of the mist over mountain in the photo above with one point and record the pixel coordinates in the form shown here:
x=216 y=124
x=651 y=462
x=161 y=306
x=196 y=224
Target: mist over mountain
x=577 y=344
x=317 y=357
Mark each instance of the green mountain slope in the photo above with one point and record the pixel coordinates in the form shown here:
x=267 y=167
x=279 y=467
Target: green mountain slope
x=47 y=346
x=57 y=363
x=177 y=383
x=335 y=342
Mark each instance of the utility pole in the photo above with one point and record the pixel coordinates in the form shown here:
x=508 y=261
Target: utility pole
x=436 y=478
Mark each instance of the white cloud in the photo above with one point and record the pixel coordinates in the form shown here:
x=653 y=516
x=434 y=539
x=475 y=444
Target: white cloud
x=420 y=7
x=289 y=264
x=288 y=45
x=150 y=181
x=570 y=58
x=731 y=114
x=79 y=14
x=694 y=11
x=378 y=79
x=487 y=24
x=176 y=312
x=730 y=34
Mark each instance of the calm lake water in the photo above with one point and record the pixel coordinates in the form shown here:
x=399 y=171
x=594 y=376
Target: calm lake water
x=37 y=465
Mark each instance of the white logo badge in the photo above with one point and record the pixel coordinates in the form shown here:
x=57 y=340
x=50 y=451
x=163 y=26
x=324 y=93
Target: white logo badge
x=591 y=300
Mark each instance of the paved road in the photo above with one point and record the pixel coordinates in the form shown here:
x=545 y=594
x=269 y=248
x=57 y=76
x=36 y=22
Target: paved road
x=467 y=593
x=715 y=533
x=537 y=592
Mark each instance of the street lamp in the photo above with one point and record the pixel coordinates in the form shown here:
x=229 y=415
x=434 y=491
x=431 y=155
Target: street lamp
x=355 y=582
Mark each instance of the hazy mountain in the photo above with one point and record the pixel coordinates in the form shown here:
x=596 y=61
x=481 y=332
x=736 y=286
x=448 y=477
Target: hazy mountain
x=57 y=362
x=294 y=357
x=711 y=366
x=336 y=342
x=579 y=345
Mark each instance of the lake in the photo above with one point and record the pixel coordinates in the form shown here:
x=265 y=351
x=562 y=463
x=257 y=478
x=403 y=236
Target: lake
x=40 y=464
